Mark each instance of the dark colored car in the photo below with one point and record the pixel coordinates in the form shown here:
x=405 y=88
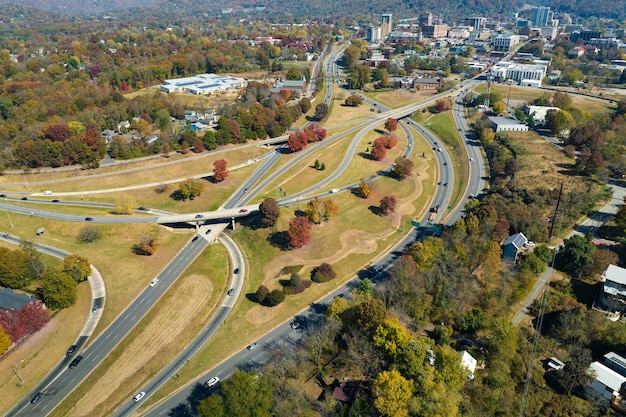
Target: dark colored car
x=3 y=195
x=208 y=232
x=236 y=271
x=55 y=200
x=75 y=362
x=142 y=208
x=243 y=211
x=88 y=219
x=24 y=198
x=195 y=238
x=467 y=342
x=199 y=216
x=36 y=398
x=71 y=350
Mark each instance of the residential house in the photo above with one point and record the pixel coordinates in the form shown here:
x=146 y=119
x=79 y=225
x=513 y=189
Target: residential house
x=427 y=83
x=607 y=383
x=123 y=125
x=611 y=298
x=348 y=391
x=297 y=86
x=468 y=362
x=11 y=300
x=513 y=245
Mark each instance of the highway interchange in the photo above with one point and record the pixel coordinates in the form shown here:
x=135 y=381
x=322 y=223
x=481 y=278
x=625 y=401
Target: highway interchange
x=59 y=384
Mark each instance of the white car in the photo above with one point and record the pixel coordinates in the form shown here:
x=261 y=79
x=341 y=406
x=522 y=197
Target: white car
x=212 y=382
x=139 y=396
x=154 y=282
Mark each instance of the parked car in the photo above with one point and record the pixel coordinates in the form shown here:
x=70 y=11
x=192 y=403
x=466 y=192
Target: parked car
x=295 y=325
x=75 y=362
x=70 y=350
x=211 y=382
x=139 y=396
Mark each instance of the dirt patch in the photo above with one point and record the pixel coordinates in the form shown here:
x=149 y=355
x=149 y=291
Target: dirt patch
x=133 y=364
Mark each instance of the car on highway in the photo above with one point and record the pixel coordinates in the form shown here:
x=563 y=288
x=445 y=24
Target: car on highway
x=243 y=211
x=154 y=282
x=6 y=236
x=70 y=350
x=139 y=396
x=3 y=195
x=252 y=346
x=236 y=271
x=142 y=208
x=471 y=159
x=195 y=238
x=231 y=291
x=36 y=398
x=24 y=198
x=88 y=219
x=56 y=200
x=199 y=216
x=295 y=325
x=75 y=362
x=211 y=382
x=208 y=232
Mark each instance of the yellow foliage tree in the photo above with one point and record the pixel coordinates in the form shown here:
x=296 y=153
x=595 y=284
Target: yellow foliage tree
x=425 y=253
x=393 y=394
x=5 y=341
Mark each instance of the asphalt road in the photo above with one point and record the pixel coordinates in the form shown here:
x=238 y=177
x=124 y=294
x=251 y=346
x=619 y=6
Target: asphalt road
x=58 y=385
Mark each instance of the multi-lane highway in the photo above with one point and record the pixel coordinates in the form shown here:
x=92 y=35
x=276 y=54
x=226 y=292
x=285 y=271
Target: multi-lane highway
x=64 y=382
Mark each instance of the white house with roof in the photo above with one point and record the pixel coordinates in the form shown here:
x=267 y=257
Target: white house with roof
x=468 y=362
x=507 y=124
x=611 y=298
x=539 y=113
x=607 y=383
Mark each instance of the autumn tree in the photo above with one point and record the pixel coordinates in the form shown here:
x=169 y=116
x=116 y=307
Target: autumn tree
x=354 y=100
x=331 y=209
x=32 y=317
x=190 y=189
x=321 y=111
x=5 y=341
x=148 y=242
x=391 y=124
x=270 y=212
x=427 y=252
x=388 y=205
x=58 y=289
x=498 y=107
x=314 y=210
x=297 y=141
x=403 y=168
x=393 y=394
x=220 y=170
x=78 y=267
x=124 y=205
x=561 y=100
x=299 y=233
x=379 y=150
x=365 y=191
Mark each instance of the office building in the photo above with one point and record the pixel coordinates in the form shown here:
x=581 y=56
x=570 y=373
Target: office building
x=425 y=19
x=385 y=27
x=374 y=34
x=542 y=16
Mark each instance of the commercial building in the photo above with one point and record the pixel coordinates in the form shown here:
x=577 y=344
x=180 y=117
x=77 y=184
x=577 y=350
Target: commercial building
x=524 y=74
x=542 y=16
x=435 y=31
x=514 y=243
x=202 y=84
x=425 y=19
x=386 y=24
x=505 y=42
x=374 y=34
x=476 y=23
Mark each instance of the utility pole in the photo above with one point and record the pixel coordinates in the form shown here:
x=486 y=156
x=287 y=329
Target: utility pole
x=10 y=221
x=556 y=211
x=18 y=373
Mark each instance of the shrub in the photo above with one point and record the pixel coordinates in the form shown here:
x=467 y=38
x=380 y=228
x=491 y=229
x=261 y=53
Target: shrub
x=89 y=234
x=274 y=298
x=296 y=285
x=323 y=273
x=262 y=293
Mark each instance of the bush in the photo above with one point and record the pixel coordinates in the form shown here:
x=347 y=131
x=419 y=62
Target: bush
x=323 y=273
x=261 y=294
x=89 y=234
x=296 y=285
x=274 y=298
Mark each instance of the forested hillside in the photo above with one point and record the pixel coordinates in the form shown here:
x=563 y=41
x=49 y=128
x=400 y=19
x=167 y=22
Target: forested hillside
x=449 y=10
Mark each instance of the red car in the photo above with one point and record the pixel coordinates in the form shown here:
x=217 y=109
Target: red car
x=243 y=211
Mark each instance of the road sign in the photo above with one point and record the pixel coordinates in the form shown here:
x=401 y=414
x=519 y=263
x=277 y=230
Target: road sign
x=414 y=223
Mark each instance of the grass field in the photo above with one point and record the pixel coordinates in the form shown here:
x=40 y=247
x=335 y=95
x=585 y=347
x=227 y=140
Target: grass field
x=397 y=98
x=184 y=310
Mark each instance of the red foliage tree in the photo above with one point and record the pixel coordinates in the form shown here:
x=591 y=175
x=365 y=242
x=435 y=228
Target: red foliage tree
x=58 y=133
x=198 y=146
x=379 y=150
x=388 y=204
x=220 y=170
x=29 y=319
x=299 y=233
x=390 y=141
x=391 y=124
x=234 y=129
x=297 y=141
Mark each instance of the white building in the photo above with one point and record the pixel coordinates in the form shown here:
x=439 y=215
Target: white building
x=539 y=113
x=507 y=124
x=468 y=362
x=374 y=34
x=202 y=84
x=505 y=42
x=607 y=383
x=525 y=74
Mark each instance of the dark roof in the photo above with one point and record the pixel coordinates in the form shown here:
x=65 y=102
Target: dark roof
x=10 y=300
